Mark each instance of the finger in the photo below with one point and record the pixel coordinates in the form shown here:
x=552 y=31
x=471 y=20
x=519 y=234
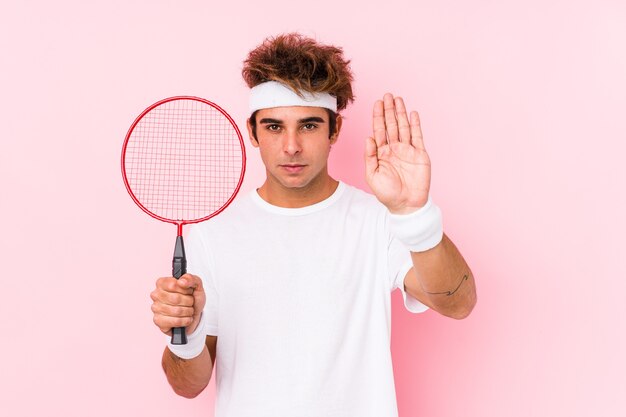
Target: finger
x=193 y=283
x=166 y=323
x=391 y=123
x=172 y=298
x=404 y=130
x=190 y=282
x=378 y=118
x=171 y=284
x=371 y=156
x=172 y=311
x=416 y=131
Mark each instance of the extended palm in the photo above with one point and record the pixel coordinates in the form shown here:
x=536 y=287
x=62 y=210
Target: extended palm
x=396 y=163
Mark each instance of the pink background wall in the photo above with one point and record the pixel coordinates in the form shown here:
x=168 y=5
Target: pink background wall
x=522 y=105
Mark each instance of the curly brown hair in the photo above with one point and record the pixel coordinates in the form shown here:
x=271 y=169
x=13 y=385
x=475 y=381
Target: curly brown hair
x=303 y=64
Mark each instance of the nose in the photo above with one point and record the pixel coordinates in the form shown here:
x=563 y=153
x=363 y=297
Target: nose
x=291 y=144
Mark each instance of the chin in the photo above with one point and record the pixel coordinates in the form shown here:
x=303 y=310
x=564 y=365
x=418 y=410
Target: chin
x=295 y=184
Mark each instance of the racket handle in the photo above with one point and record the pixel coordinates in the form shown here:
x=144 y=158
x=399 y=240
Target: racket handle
x=179 y=268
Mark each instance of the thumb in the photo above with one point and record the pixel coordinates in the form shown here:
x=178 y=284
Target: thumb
x=189 y=281
x=371 y=156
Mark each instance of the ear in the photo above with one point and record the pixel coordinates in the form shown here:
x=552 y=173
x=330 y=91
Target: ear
x=335 y=136
x=253 y=141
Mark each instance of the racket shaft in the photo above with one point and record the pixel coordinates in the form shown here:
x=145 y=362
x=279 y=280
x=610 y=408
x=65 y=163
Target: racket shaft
x=179 y=268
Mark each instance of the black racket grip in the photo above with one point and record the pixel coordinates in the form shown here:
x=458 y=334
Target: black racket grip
x=179 y=268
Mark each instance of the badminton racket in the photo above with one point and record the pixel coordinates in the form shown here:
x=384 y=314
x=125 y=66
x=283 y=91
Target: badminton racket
x=183 y=162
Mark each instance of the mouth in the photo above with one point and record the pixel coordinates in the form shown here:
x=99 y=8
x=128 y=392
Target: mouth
x=292 y=168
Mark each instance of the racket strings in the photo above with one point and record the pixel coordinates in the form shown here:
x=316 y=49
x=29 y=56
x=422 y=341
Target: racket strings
x=184 y=160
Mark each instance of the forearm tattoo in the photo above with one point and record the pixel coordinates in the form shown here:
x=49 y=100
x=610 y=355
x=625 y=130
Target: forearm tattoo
x=449 y=293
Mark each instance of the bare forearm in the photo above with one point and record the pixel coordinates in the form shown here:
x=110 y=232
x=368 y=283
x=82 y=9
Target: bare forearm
x=443 y=279
x=188 y=377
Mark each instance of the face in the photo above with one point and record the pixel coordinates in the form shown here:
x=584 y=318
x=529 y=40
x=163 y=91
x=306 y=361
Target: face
x=294 y=144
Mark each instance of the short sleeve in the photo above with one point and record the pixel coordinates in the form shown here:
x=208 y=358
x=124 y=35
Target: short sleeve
x=199 y=263
x=399 y=264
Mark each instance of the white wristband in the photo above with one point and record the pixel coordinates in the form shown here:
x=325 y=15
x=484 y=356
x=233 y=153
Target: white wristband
x=420 y=230
x=195 y=343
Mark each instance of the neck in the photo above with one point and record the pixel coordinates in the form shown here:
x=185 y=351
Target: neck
x=317 y=190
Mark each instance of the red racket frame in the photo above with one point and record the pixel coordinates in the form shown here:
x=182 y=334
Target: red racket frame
x=178 y=223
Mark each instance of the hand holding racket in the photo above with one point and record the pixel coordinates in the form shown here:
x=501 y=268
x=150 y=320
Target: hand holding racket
x=183 y=162
x=178 y=302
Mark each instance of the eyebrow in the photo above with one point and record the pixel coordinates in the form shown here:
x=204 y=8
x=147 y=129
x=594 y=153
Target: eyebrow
x=311 y=119
x=267 y=120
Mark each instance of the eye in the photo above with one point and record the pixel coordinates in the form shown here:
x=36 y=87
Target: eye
x=309 y=126
x=273 y=127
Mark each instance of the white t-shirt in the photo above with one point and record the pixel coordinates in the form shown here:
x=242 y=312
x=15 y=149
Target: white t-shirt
x=300 y=300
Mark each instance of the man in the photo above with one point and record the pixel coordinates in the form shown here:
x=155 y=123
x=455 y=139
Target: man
x=289 y=289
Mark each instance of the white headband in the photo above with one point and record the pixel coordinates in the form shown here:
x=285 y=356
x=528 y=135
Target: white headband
x=274 y=94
